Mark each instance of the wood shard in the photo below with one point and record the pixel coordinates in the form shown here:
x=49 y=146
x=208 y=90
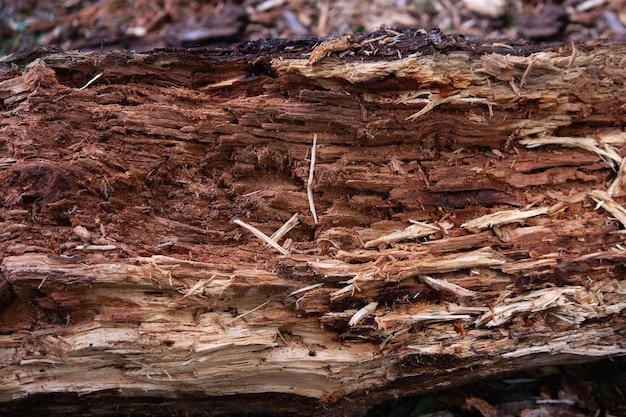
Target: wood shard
x=307 y=288
x=248 y=312
x=395 y=321
x=199 y=286
x=616 y=189
x=436 y=100
x=502 y=217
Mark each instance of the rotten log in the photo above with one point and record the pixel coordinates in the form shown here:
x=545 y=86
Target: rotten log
x=449 y=210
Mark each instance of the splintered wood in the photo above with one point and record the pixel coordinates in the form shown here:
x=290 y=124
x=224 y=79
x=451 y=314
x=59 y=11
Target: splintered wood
x=171 y=228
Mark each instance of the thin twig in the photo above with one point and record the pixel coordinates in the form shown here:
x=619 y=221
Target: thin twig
x=80 y=89
x=199 y=286
x=308 y=288
x=90 y=81
x=261 y=236
x=164 y=244
x=248 y=312
x=309 y=190
x=42 y=281
x=285 y=228
x=95 y=247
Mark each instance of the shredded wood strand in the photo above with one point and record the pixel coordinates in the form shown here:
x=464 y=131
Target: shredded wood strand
x=199 y=286
x=438 y=317
x=96 y=247
x=537 y=301
x=484 y=257
x=342 y=292
x=90 y=81
x=434 y=99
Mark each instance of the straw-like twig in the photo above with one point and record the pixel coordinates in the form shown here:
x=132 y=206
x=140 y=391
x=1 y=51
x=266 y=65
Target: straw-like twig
x=90 y=82
x=285 y=228
x=362 y=313
x=307 y=288
x=309 y=183
x=261 y=236
x=248 y=312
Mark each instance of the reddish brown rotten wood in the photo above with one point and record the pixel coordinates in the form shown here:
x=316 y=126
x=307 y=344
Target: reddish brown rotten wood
x=470 y=210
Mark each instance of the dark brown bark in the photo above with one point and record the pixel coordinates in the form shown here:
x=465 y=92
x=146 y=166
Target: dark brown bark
x=445 y=226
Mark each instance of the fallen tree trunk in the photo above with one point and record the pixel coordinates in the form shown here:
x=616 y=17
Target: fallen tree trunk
x=452 y=210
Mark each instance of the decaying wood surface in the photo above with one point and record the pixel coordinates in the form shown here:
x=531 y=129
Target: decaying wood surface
x=461 y=215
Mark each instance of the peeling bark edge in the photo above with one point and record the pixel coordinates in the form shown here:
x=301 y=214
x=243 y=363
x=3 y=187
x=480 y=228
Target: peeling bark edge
x=258 y=53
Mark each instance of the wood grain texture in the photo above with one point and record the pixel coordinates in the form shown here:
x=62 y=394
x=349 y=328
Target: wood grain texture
x=469 y=197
